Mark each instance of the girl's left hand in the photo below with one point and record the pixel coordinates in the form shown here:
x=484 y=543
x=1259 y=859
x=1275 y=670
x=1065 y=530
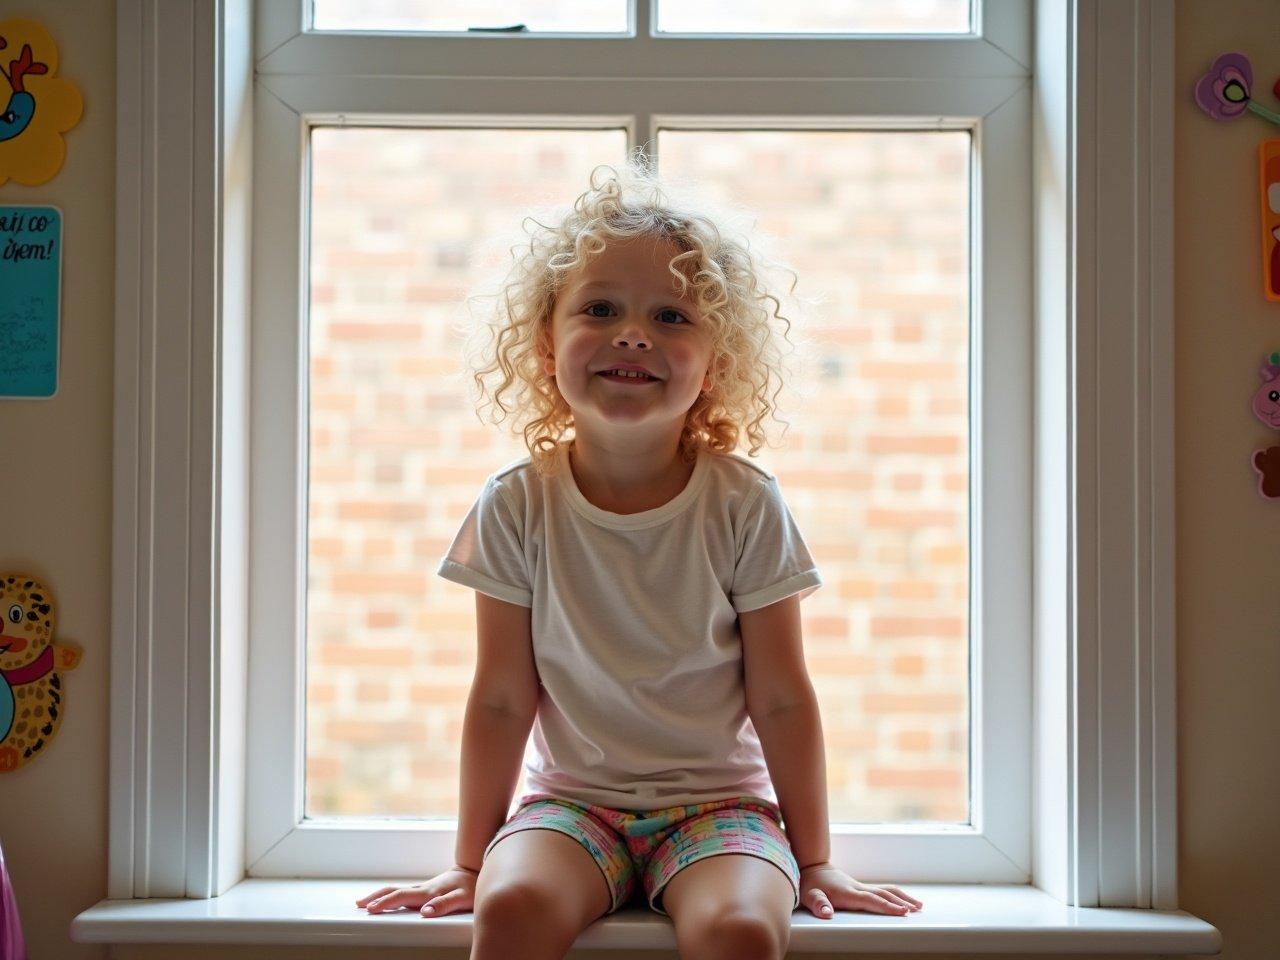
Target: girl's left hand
x=825 y=888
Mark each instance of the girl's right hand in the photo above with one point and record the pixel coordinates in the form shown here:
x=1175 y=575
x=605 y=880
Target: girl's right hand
x=449 y=892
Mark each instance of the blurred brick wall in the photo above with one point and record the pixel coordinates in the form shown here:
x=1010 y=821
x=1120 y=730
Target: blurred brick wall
x=874 y=461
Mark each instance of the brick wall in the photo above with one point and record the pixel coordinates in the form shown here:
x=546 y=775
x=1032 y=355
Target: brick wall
x=874 y=462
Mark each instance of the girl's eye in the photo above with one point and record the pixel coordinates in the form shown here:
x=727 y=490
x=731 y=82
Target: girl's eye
x=591 y=306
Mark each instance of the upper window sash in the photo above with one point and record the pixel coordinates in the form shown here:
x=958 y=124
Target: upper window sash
x=999 y=49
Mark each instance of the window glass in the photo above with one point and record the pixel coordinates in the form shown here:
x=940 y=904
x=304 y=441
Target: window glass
x=559 y=16
x=874 y=462
x=400 y=220
x=813 y=16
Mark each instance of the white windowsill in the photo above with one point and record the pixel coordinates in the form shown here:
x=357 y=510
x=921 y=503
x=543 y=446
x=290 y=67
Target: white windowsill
x=956 y=918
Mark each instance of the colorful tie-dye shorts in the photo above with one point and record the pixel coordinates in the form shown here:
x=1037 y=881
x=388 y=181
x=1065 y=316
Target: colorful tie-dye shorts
x=657 y=844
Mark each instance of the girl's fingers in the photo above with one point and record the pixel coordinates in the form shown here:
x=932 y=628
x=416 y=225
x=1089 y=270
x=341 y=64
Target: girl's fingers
x=372 y=896
x=445 y=903
x=906 y=896
x=888 y=894
x=879 y=904
x=406 y=897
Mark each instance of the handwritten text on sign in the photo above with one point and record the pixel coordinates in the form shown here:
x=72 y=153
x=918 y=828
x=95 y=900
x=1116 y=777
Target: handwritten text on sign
x=30 y=285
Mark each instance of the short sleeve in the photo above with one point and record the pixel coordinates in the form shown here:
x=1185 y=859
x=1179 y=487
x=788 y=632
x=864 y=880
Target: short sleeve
x=487 y=553
x=773 y=560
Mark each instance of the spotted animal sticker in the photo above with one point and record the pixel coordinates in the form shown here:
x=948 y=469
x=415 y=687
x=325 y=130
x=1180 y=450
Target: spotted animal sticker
x=32 y=691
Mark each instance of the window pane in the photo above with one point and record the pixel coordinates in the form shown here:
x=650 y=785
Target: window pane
x=397 y=455
x=875 y=463
x=543 y=16
x=813 y=16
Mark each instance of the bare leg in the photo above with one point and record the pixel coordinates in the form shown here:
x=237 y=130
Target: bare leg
x=537 y=891
x=730 y=906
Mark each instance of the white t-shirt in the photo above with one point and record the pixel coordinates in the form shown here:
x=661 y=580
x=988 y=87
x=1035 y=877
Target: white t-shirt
x=635 y=629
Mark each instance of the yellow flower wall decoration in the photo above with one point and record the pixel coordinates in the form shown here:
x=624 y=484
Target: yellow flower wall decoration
x=37 y=105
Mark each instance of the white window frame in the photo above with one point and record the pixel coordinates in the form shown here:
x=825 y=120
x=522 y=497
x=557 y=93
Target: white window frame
x=1073 y=798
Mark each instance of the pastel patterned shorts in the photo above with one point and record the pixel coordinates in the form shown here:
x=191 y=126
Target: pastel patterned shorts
x=656 y=844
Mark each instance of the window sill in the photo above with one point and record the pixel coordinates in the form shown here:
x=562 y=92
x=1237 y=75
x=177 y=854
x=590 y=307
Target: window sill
x=956 y=918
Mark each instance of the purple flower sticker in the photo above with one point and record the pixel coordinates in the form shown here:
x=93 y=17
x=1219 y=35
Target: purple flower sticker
x=1225 y=92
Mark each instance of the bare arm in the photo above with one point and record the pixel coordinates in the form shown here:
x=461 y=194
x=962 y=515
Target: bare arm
x=784 y=711
x=500 y=712
x=791 y=739
x=493 y=742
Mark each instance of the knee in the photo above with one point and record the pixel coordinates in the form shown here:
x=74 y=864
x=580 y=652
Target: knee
x=734 y=936
x=510 y=905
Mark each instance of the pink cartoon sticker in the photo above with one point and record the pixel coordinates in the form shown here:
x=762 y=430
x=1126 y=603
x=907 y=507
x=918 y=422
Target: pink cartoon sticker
x=1266 y=407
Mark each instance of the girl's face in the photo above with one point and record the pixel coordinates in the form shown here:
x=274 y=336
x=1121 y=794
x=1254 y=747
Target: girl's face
x=623 y=308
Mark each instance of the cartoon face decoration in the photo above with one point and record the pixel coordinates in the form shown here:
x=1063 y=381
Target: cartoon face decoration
x=37 y=106
x=1266 y=400
x=32 y=693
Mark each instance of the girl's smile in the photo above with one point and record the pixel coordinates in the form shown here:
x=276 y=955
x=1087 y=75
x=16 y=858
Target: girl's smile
x=633 y=380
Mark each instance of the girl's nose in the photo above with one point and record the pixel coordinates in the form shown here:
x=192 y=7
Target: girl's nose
x=631 y=335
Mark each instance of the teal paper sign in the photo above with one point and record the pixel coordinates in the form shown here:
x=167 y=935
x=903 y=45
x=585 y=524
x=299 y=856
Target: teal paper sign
x=30 y=300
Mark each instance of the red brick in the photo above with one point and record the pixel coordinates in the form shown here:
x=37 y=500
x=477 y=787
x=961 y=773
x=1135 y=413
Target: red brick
x=955 y=554
x=382 y=619
x=911 y=666
x=374 y=332
x=840 y=739
x=842 y=665
x=384 y=582
x=910 y=519
x=885 y=703
x=441 y=694
x=327 y=547
x=895 y=371
x=901 y=443
x=936 y=777
x=914 y=740
x=856 y=589
x=894 y=407
x=826 y=626
x=913 y=590
x=390 y=510
x=918 y=626
x=343 y=402
x=377 y=548
x=369 y=657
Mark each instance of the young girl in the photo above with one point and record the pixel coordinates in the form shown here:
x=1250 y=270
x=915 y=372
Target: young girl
x=638 y=594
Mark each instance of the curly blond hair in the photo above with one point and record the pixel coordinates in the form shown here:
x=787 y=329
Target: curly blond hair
x=716 y=262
